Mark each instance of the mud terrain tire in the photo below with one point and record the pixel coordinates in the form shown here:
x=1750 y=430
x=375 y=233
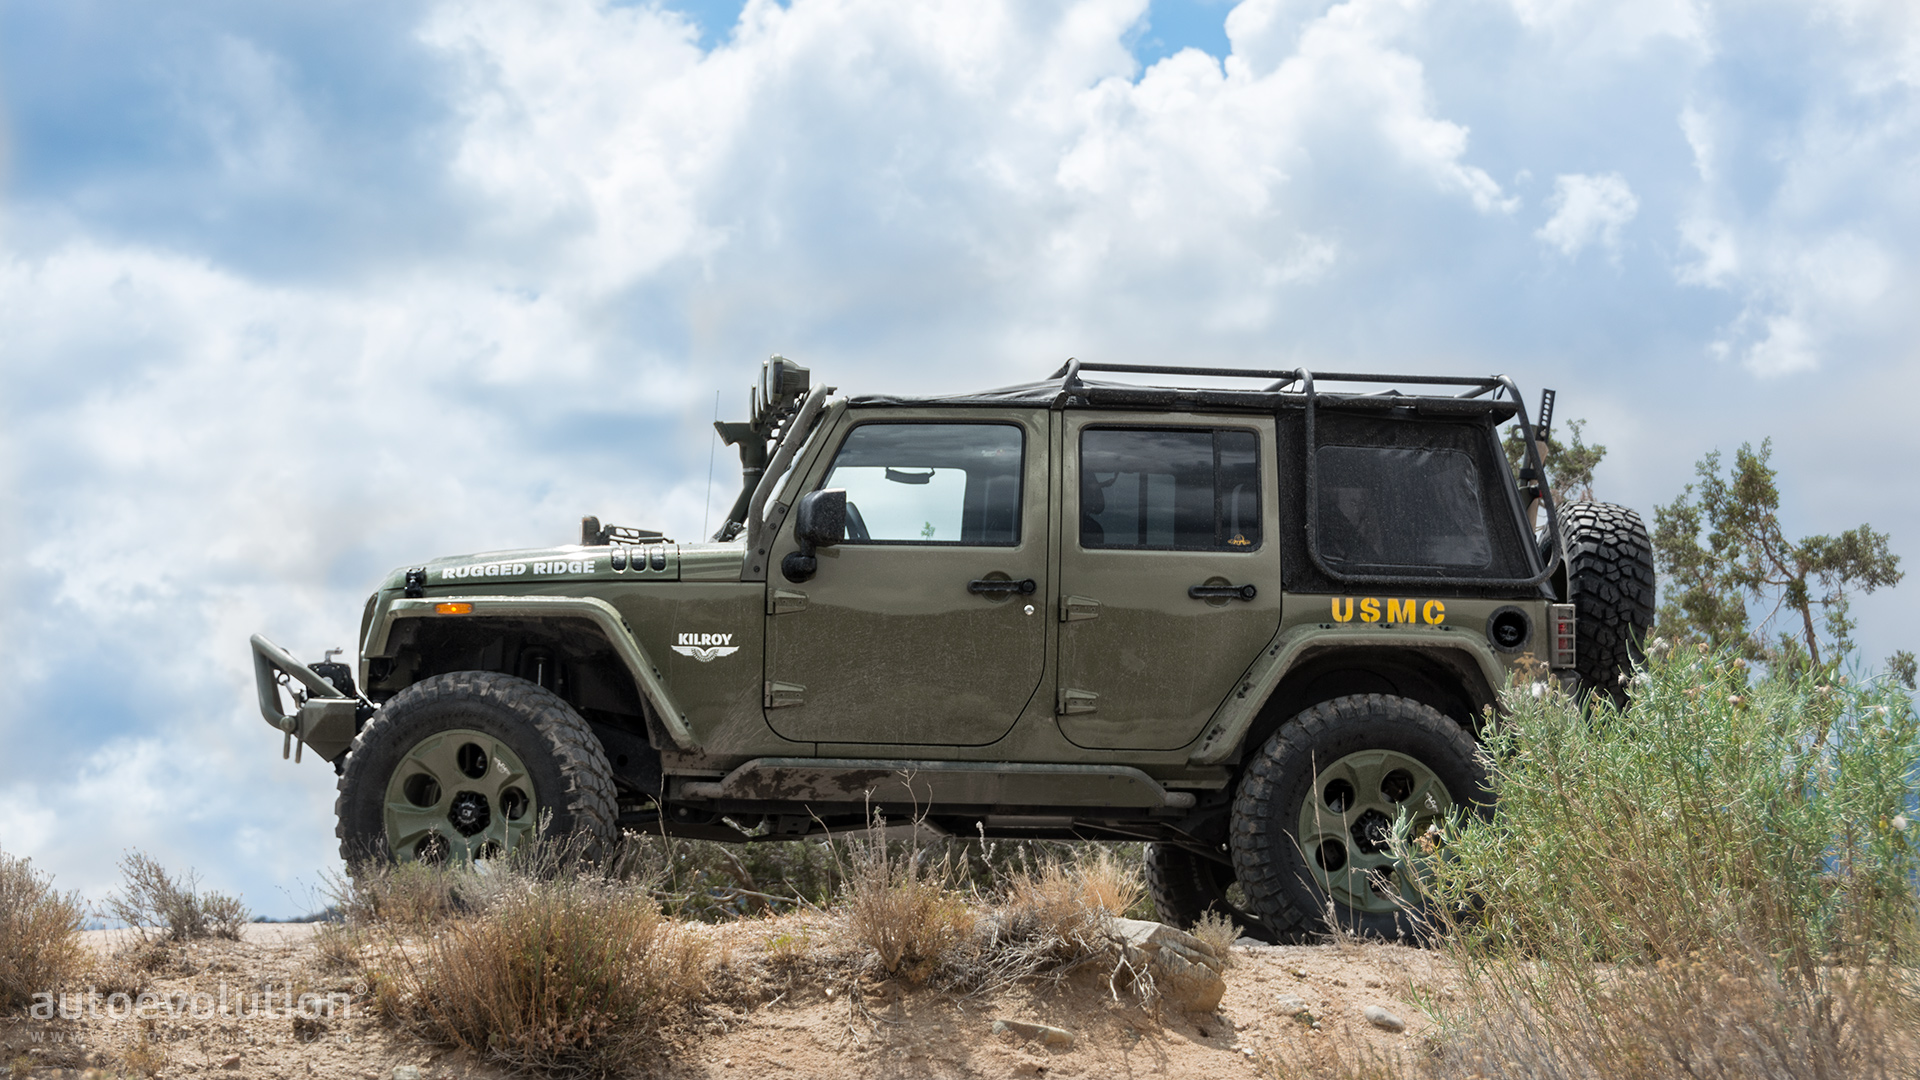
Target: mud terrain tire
x=1610 y=573
x=572 y=783
x=1184 y=885
x=1279 y=787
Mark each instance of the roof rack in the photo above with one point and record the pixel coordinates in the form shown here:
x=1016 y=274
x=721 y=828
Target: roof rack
x=1281 y=379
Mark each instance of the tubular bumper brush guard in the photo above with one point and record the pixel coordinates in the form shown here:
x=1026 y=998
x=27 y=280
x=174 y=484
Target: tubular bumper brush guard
x=323 y=717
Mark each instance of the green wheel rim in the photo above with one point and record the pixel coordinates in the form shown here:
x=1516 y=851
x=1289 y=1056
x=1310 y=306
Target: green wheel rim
x=1347 y=818
x=458 y=796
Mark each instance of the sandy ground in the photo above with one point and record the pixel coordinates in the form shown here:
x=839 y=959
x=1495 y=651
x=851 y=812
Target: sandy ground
x=1285 y=1009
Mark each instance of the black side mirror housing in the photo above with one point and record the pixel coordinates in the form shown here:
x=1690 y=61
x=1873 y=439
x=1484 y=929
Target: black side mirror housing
x=819 y=520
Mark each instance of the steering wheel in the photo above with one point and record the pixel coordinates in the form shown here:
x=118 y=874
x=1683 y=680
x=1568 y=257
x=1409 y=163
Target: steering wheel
x=856 y=526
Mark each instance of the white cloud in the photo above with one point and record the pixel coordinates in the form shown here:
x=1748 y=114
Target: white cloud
x=1614 y=26
x=953 y=193
x=1588 y=210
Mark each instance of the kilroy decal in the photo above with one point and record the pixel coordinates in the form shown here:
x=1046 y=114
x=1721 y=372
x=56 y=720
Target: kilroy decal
x=705 y=648
x=1406 y=611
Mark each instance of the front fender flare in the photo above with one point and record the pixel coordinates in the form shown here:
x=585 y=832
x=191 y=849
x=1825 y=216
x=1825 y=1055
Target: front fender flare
x=646 y=674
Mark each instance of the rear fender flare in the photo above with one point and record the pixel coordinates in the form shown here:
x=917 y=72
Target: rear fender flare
x=1220 y=743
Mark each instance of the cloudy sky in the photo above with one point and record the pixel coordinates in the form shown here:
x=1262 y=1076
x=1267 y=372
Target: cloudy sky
x=294 y=294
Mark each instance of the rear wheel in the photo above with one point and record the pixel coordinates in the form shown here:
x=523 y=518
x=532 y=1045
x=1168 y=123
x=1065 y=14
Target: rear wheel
x=1316 y=808
x=470 y=765
x=1611 y=582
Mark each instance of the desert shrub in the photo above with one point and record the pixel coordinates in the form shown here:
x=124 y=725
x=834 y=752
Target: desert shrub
x=1718 y=882
x=151 y=898
x=573 y=975
x=409 y=895
x=901 y=905
x=1055 y=917
x=913 y=910
x=339 y=946
x=1217 y=931
x=38 y=950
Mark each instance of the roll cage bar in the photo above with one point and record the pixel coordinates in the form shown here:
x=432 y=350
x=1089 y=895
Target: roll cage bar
x=1281 y=393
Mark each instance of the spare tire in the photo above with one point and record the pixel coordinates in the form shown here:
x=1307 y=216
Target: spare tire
x=1611 y=584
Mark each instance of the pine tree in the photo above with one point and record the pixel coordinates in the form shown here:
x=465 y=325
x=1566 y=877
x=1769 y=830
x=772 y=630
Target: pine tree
x=1720 y=545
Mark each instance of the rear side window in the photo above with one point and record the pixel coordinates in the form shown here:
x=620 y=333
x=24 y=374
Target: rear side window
x=1399 y=506
x=1180 y=489
x=931 y=483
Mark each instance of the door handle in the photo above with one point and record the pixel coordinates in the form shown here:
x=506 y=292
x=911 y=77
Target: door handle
x=1223 y=592
x=996 y=587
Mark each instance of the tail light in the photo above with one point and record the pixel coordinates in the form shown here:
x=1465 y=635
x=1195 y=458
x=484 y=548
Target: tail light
x=1561 y=618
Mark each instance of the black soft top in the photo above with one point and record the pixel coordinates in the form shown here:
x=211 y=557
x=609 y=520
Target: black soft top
x=1491 y=398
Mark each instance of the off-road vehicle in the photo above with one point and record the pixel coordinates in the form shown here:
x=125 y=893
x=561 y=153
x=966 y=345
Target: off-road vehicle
x=1252 y=626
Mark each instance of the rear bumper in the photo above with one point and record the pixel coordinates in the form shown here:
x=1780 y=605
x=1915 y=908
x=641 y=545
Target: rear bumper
x=324 y=718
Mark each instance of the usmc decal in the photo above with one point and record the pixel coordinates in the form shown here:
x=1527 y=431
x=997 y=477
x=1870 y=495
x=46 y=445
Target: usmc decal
x=1397 y=610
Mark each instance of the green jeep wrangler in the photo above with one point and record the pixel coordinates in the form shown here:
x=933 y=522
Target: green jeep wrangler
x=1252 y=626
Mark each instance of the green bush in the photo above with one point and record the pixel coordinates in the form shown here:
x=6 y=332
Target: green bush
x=1719 y=881
x=1720 y=807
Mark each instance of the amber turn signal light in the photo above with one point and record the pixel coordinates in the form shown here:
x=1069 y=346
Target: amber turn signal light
x=453 y=609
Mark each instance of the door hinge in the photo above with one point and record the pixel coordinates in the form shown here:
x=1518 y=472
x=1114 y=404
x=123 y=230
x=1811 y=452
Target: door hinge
x=786 y=601
x=1076 y=701
x=783 y=694
x=1076 y=608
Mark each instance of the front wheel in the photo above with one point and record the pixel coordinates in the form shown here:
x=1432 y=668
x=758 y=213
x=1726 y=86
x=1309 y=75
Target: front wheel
x=1315 y=811
x=471 y=765
x=1185 y=885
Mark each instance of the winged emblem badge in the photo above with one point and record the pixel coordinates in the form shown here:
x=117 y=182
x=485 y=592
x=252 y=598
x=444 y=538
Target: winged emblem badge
x=705 y=648
x=707 y=655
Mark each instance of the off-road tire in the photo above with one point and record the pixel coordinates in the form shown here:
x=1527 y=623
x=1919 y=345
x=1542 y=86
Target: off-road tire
x=1184 y=885
x=573 y=784
x=1267 y=859
x=1611 y=583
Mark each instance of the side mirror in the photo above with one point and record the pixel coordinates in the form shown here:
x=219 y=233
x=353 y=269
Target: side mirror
x=819 y=520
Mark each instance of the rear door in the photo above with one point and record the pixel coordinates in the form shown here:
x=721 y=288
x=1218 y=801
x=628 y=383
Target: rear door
x=1169 y=576
x=926 y=624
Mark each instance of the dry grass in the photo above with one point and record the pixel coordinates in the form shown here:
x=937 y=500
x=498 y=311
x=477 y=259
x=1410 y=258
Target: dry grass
x=152 y=899
x=574 y=976
x=901 y=906
x=1720 y=1018
x=38 y=948
x=908 y=916
x=341 y=948
x=413 y=896
x=1216 y=931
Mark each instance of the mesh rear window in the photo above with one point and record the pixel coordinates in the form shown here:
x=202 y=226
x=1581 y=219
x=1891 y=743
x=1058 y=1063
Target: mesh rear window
x=1382 y=506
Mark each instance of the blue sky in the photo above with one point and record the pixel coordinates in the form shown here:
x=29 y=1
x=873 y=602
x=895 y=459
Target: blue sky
x=291 y=295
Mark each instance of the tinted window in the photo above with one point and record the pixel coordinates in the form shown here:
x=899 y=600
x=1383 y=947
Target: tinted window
x=1395 y=506
x=1175 y=490
x=931 y=483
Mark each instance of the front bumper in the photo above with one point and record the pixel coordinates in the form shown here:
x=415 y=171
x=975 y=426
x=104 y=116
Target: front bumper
x=324 y=718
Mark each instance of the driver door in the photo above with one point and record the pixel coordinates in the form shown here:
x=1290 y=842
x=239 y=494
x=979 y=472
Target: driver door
x=921 y=626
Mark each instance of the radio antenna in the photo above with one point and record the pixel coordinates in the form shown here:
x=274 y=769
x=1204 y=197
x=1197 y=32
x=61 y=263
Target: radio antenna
x=706 y=513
